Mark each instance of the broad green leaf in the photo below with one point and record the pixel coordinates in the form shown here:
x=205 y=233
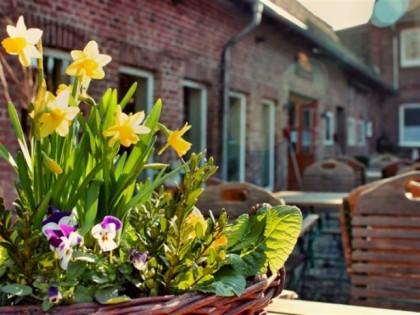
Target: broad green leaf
x=118 y=299
x=75 y=269
x=82 y=294
x=227 y=282
x=236 y=232
x=281 y=232
x=84 y=257
x=249 y=236
x=103 y=295
x=17 y=289
x=254 y=263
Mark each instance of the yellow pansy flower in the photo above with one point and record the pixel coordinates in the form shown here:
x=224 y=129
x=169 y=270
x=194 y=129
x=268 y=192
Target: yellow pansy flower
x=176 y=141
x=88 y=63
x=57 y=115
x=194 y=218
x=126 y=128
x=21 y=42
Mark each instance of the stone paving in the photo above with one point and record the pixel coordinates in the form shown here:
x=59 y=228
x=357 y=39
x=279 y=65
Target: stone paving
x=326 y=279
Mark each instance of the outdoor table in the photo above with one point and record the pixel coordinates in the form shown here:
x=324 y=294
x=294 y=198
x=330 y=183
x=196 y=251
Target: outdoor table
x=331 y=200
x=299 y=307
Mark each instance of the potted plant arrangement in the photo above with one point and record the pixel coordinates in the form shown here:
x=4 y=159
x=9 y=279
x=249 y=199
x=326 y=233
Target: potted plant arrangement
x=86 y=236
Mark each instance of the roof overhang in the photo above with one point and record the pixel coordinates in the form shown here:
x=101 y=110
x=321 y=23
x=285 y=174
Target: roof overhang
x=333 y=49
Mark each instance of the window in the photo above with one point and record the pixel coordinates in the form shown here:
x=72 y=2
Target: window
x=142 y=100
x=361 y=134
x=410 y=125
x=329 y=128
x=195 y=113
x=234 y=162
x=55 y=65
x=410 y=47
x=267 y=137
x=351 y=131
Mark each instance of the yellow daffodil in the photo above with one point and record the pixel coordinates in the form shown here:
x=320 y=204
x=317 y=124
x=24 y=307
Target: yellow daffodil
x=21 y=42
x=176 y=141
x=88 y=63
x=57 y=116
x=126 y=128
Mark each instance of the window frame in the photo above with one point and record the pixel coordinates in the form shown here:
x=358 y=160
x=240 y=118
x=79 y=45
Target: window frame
x=203 y=110
x=150 y=83
x=242 y=140
x=351 y=132
x=271 y=104
x=331 y=122
x=361 y=132
x=414 y=62
x=401 y=124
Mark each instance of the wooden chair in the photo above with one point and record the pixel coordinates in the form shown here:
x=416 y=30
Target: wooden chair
x=329 y=175
x=378 y=161
x=346 y=214
x=413 y=167
x=357 y=166
x=385 y=226
x=392 y=168
x=236 y=197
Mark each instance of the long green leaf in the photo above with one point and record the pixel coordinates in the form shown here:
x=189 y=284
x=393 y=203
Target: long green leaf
x=7 y=156
x=83 y=186
x=25 y=180
x=14 y=118
x=91 y=206
x=42 y=209
x=128 y=95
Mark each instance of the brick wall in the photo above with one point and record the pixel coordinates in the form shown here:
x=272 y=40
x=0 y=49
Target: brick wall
x=185 y=41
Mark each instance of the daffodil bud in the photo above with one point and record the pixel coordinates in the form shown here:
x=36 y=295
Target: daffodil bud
x=51 y=165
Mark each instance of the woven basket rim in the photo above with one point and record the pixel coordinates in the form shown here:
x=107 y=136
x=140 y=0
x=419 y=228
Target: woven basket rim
x=253 y=300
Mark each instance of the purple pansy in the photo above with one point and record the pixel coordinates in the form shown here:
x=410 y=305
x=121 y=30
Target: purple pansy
x=106 y=233
x=54 y=294
x=60 y=230
x=138 y=259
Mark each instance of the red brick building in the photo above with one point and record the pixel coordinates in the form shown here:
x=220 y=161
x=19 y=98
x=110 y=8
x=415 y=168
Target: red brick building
x=285 y=70
x=393 y=50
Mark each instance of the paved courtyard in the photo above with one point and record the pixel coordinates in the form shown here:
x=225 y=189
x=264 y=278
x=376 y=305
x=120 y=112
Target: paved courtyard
x=325 y=279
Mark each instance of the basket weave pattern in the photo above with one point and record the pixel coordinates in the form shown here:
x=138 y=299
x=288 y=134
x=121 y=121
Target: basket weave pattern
x=253 y=301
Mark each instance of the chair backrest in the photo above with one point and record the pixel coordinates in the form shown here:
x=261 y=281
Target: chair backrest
x=413 y=167
x=329 y=175
x=392 y=168
x=346 y=214
x=236 y=197
x=378 y=161
x=385 y=268
x=357 y=166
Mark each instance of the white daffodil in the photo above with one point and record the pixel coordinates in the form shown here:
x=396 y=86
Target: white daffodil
x=21 y=42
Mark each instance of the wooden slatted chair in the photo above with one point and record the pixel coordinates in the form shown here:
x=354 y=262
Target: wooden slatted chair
x=392 y=168
x=236 y=197
x=385 y=258
x=346 y=214
x=357 y=166
x=329 y=175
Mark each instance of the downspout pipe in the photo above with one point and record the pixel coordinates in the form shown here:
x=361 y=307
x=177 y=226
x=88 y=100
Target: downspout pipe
x=257 y=9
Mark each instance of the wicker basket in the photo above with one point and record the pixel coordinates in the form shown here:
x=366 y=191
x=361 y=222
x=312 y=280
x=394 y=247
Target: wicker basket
x=253 y=301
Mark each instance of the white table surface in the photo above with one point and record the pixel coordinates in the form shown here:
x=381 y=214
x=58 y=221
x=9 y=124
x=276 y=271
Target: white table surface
x=300 y=307
x=307 y=198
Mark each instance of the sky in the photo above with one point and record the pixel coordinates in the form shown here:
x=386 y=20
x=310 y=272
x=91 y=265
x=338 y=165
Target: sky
x=341 y=14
